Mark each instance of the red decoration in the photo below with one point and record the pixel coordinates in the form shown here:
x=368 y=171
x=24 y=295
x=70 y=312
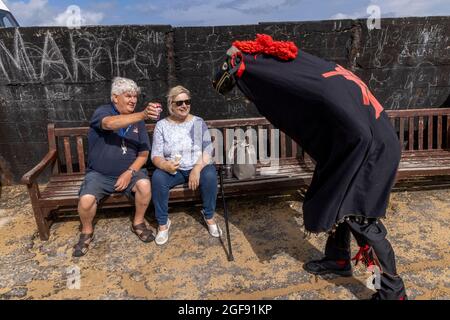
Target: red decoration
x=285 y=50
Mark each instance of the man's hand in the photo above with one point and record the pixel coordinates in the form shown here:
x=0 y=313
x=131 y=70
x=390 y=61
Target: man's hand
x=123 y=181
x=152 y=111
x=194 y=178
x=171 y=166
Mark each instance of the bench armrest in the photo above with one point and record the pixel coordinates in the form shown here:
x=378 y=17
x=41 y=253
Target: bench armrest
x=31 y=175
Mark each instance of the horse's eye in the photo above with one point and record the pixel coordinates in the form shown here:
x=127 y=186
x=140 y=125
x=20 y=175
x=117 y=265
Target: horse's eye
x=225 y=66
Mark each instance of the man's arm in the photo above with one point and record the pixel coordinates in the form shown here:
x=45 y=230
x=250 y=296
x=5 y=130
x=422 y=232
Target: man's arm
x=122 y=121
x=140 y=161
x=125 y=178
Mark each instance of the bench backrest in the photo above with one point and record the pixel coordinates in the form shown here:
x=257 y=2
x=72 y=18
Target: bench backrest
x=71 y=143
x=422 y=130
x=419 y=130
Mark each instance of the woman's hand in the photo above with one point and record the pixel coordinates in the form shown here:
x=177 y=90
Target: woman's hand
x=171 y=166
x=123 y=181
x=194 y=178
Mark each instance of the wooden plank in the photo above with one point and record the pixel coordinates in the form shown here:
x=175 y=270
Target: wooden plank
x=411 y=133
x=68 y=177
x=52 y=146
x=448 y=132
x=402 y=132
x=421 y=127
x=439 y=132
x=232 y=123
x=283 y=144
x=430 y=132
x=71 y=132
x=68 y=155
x=294 y=148
x=80 y=151
x=417 y=112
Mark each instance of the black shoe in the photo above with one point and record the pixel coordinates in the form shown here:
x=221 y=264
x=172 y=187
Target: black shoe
x=377 y=296
x=326 y=266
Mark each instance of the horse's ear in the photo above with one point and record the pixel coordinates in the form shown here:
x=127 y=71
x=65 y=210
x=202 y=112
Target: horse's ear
x=233 y=50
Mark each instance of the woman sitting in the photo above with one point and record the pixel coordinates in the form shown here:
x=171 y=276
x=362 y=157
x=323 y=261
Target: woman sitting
x=181 y=152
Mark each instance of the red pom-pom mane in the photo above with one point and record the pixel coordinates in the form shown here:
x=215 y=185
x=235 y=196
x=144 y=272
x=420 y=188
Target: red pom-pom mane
x=285 y=50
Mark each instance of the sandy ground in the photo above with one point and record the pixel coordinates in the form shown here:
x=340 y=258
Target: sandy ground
x=268 y=246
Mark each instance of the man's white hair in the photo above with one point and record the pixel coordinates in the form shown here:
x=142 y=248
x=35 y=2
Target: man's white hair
x=123 y=85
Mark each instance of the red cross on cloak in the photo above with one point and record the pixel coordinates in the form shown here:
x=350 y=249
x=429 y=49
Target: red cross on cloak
x=368 y=97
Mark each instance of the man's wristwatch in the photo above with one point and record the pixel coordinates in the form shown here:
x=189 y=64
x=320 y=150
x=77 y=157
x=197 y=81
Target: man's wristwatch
x=133 y=172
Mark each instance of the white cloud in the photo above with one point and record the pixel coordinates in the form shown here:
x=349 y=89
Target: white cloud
x=142 y=7
x=341 y=16
x=74 y=16
x=205 y=14
x=225 y=12
x=40 y=13
x=399 y=8
x=406 y=8
x=258 y=6
x=33 y=12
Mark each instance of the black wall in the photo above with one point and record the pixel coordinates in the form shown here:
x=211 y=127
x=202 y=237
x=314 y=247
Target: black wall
x=61 y=75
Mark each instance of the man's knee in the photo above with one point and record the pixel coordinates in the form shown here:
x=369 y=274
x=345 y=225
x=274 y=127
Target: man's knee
x=87 y=202
x=143 y=187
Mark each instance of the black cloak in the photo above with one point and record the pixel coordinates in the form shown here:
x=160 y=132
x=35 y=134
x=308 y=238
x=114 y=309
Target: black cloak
x=332 y=114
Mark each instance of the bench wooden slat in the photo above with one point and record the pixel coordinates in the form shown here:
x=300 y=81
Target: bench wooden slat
x=448 y=132
x=294 y=149
x=402 y=132
x=411 y=134
x=283 y=144
x=80 y=151
x=421 y=126
x=68 y=155
x=430 y=132
x=439 y=132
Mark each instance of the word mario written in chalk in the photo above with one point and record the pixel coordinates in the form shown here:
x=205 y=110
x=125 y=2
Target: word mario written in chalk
x=237 y=309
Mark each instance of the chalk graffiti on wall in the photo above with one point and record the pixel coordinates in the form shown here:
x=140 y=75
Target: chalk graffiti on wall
x=412 y=76
x=83 y=56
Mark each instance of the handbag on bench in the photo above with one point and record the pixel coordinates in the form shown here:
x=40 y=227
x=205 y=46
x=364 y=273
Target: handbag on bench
x=242 y=156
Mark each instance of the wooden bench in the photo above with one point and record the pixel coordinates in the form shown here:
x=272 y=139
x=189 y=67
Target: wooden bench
x=423 y=133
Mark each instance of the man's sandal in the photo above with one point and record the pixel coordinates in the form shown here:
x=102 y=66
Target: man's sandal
x=82 y=247
x=143 y=233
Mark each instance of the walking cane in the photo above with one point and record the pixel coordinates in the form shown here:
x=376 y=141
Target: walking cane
x=225 y=214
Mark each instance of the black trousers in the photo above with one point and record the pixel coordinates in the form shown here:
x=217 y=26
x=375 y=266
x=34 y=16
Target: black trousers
x=373 y=233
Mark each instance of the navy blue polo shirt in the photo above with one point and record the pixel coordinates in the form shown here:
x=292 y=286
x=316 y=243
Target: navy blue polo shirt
x=106 y=155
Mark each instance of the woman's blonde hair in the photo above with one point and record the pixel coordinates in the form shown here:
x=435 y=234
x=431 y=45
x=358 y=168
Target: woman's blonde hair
x=173 y=92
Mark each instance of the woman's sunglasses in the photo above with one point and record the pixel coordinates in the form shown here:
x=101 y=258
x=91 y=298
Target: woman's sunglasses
x=180 y=102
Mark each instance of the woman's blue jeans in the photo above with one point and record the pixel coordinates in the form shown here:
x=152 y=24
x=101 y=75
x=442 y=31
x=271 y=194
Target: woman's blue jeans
x=163 y=181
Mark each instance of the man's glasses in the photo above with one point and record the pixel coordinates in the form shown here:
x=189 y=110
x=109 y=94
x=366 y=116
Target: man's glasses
x=180 y=102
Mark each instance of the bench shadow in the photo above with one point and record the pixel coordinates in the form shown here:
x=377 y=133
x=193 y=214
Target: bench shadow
x=278 y=230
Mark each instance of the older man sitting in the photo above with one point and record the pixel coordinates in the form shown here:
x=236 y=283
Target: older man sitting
x=118 y=149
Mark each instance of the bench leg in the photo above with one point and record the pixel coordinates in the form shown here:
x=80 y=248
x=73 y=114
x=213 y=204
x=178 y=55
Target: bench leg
x=225 y=215
x=42 y=222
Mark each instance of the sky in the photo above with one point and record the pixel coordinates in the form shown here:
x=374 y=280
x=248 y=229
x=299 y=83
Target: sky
x=211 y=13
